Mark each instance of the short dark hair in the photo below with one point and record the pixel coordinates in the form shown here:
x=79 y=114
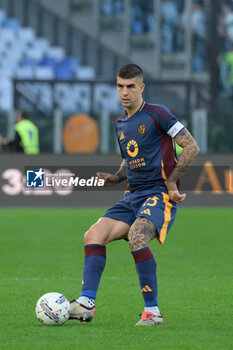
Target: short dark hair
x=23 y=114
x=129 y=71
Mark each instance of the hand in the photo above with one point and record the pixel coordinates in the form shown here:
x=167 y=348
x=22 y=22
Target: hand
x=174 y=193
x=109 y=179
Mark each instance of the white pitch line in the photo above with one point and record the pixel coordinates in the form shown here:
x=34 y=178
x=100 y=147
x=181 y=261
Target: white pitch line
x=112 y=278
x=117 y=278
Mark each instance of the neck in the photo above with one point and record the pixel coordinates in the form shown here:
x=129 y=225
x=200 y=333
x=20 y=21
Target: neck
x=131 y=111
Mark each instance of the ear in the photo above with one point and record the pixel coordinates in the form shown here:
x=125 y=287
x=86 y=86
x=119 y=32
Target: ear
x=142 y=87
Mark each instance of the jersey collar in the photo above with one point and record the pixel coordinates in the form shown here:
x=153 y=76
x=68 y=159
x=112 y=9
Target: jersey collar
x=139 y=109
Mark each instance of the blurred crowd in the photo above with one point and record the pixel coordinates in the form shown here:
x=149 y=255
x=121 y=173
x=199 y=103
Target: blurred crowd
x=226 y=46
x=174 y=18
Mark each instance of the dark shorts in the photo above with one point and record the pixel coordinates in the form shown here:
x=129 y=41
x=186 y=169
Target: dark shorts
x=156 y=207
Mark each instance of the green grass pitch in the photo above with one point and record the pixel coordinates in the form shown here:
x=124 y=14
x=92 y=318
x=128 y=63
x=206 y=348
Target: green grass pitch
x=41 y=251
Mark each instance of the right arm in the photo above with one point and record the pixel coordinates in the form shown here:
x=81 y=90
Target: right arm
x=112 y=180
x=121 y=173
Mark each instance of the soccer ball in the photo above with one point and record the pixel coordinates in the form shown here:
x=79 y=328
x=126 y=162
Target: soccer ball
x=52 y=309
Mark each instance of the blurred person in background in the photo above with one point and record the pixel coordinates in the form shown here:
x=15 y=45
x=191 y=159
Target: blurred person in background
x=226 y=27
x=226 y=47
x=142 y=17
x=228 y=21
x=198 y=21
x=26 y=138
x=111 y=8
x=226 y=72
x=170 y=16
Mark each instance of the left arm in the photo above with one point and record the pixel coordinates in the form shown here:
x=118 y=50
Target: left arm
x=189 y=152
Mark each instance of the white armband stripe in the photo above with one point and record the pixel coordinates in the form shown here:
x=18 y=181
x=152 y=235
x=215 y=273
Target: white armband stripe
x=175 y=129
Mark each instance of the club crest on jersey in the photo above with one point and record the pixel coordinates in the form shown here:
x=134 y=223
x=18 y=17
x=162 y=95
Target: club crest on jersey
x=132 y=148
x=142 y=129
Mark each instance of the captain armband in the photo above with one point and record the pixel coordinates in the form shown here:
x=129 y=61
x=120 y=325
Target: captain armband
x=175 y=129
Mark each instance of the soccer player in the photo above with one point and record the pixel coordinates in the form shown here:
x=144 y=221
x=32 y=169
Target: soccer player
x=146 y=134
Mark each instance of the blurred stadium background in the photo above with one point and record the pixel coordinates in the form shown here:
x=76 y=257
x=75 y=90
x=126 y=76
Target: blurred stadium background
x=58 y=62
x=59 y=58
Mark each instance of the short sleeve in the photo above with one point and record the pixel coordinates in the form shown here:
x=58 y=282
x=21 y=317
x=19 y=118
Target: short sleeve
x=167 y=121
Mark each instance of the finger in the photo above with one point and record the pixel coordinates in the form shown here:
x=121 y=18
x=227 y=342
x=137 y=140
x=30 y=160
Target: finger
x=177 y=197
x=182 y=197
x=174 y=195
x=176 y=200
x=100 y=175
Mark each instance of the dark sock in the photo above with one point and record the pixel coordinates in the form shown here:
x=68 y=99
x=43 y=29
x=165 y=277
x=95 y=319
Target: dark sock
x=94 y=263
x=146 y=269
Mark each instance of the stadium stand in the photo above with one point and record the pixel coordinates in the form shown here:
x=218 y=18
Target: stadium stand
x=23 y=55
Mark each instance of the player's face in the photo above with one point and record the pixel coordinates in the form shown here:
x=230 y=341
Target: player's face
x=130 y=91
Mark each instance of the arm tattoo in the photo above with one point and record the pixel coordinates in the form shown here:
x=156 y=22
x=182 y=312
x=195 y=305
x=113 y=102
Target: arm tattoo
x=141 y=233
x=189 y=152
x=121 y=173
